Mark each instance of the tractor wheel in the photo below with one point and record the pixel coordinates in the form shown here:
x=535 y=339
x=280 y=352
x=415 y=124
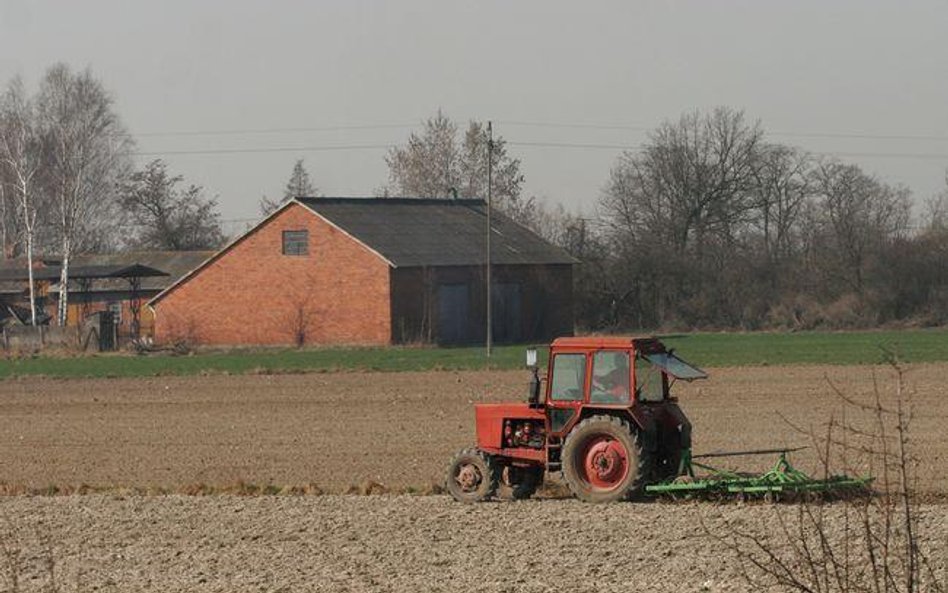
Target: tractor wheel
x=519 y=483
x=472 y=476
x=602 y=460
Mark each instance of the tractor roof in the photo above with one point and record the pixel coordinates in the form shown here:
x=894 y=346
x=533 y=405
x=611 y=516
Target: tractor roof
x=601 y=341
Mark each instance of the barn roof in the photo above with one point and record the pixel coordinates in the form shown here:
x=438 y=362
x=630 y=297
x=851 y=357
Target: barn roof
x=436 y=232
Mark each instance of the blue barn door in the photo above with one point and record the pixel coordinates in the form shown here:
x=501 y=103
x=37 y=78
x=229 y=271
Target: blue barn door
x=505 y=311
x=453 y=314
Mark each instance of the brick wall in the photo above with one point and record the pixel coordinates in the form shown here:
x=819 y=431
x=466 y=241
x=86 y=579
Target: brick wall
x=253 y=294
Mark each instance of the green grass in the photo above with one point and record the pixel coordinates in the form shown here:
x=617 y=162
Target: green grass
x=264 y=361
x=836 y=348
x=705 y=350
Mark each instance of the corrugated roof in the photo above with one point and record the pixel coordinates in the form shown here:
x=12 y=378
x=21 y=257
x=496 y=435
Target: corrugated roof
x=432 y=232
x=172 y=263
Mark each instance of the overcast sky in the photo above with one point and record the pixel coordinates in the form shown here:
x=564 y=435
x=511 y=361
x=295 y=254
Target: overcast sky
x=841 y=77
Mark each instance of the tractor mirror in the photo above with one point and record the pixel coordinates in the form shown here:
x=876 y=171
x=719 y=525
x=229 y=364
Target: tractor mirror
x=533 y=398
x=531 y=358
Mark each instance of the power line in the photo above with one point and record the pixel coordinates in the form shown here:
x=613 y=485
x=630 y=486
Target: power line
x=850 y=135
x=253 y=131
x=582 y=145
x=540 y=124
x=576 y=145
x=263 y=149
x=521 y=123
x=569 y=145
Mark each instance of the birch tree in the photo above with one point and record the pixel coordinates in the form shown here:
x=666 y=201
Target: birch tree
x=21 y=157
x=7 y=226
x=86 y=149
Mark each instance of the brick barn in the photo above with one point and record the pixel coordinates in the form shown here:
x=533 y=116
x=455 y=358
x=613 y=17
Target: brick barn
x=372 y=271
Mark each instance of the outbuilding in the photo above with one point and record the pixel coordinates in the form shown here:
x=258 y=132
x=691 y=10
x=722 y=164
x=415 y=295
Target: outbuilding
x=372 y=271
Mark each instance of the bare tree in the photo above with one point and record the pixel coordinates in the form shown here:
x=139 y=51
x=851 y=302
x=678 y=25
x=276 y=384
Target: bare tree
x=167 y=218
x=298 y=186
x=860 y=215
x=427 y=166
x=21 y=153
x=5 y=220
x=506 y=179
x=690 y=181
x=86 y=148
x=435 y=164
x=937 y=210
x=781 y=191
x=674 y=215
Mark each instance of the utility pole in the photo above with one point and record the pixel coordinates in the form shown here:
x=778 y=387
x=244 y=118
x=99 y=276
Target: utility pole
x=490 y=164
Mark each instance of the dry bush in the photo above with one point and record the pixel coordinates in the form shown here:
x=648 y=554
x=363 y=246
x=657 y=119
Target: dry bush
x=794 y=312
x=368 y=488
x=861 y=543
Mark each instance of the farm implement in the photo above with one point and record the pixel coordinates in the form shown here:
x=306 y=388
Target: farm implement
x=780 y=480
x=607 y=422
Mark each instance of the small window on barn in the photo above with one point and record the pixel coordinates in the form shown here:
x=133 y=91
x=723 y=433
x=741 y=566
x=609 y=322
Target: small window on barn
x=295 y=242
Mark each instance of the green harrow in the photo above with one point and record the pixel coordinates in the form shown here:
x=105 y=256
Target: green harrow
x=781 y=480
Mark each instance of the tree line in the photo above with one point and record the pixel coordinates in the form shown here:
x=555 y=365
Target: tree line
x=709 y=225
x=712 y=225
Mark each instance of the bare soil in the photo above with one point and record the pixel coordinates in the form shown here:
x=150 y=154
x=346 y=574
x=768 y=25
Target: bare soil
x=398 y=429
x=386 y=543
x=336 y=430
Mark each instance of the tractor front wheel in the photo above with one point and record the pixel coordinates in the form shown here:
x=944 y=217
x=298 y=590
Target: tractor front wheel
x=603 y=461
x=519 y=483
x=472 y=476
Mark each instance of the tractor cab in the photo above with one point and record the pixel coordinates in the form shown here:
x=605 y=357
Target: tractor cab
x=608 y=372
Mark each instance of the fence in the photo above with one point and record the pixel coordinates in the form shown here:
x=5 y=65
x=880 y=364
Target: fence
x=28 y=338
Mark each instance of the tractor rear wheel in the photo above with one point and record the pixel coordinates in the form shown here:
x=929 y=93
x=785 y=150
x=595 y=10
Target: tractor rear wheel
x=519 y=483
x=472 y=476
x=603 y=461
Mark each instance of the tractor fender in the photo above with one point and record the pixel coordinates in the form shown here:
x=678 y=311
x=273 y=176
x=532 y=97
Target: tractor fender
x=681 y=422
x=644 y=420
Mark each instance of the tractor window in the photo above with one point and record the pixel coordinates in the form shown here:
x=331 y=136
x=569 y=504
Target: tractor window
x=648 y=381
x=569 y=374
x=610 y=379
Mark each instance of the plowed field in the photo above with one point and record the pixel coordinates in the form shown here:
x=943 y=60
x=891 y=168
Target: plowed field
x=336 y=430
x=388 y=543
x=399 y=429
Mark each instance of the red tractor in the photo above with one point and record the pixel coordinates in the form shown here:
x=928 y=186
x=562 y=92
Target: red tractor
x=605 y=420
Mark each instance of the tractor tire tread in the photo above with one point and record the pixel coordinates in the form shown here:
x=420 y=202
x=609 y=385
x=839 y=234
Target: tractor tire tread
x=492 y=473
x=636 y=487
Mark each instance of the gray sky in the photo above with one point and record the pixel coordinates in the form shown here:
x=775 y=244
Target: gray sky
x=804 y=68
